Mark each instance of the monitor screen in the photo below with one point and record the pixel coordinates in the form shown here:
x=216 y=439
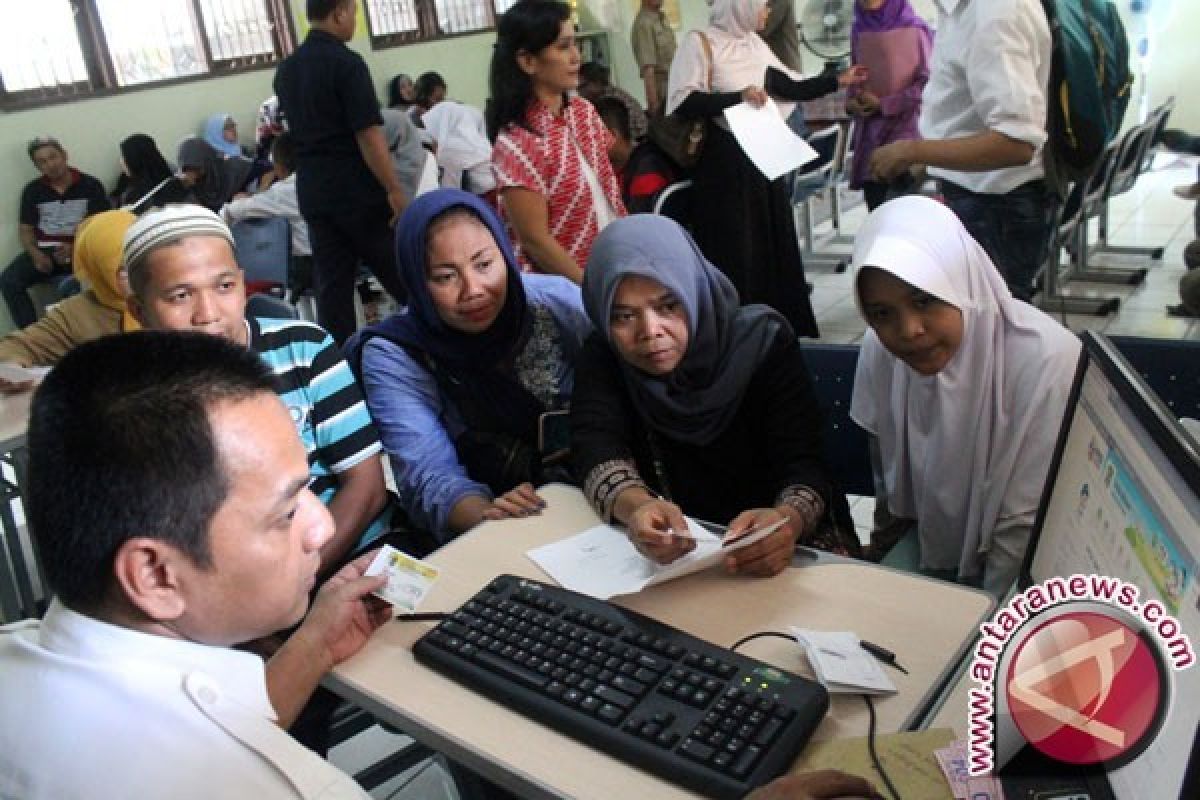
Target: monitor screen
x=1124 y=501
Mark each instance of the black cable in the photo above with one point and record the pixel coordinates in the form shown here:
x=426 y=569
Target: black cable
x=762 y=635
x=866 y=698
x=875 y=755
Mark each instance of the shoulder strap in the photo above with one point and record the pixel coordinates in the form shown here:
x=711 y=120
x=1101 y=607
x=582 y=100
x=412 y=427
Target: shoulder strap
x=708 y=56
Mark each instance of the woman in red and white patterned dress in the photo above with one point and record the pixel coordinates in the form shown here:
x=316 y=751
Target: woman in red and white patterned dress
x=557 y=187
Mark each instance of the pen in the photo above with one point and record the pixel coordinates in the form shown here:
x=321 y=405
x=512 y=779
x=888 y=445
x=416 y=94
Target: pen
x=881 y=653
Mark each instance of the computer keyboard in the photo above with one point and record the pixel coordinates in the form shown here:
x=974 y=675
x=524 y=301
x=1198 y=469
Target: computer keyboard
x=691 y=712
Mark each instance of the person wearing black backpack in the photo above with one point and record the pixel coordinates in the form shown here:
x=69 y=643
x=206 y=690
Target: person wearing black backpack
x=983 y=120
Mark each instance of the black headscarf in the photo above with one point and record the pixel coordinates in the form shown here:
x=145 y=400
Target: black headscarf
x=147 y=170
x=222 y=178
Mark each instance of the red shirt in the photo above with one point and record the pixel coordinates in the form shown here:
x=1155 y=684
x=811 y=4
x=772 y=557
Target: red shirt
x=547 y=162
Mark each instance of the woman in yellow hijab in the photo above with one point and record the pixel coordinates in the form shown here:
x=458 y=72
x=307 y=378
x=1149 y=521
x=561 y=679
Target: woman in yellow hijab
x=97 y=311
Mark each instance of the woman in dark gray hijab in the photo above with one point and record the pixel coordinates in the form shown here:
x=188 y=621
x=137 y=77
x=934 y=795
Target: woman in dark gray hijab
x=687 y=402
x=212 y=178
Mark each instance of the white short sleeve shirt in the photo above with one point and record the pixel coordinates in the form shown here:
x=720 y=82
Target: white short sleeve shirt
x=92 y=710
x=989 y=70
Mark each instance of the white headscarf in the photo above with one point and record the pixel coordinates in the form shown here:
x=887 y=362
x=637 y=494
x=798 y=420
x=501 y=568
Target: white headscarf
x=740 y=56
x=965 y=452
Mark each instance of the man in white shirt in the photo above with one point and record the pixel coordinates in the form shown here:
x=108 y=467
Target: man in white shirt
x=983 y=119
x=167 y=495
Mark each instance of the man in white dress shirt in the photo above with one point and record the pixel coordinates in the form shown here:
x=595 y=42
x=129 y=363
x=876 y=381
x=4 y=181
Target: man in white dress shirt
x=983 y=119
x=167 y=495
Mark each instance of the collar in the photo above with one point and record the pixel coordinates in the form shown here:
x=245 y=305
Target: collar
x=948 y=7
x=541 y=118
x=75 y=174
x=319 y=35
x=73 y=635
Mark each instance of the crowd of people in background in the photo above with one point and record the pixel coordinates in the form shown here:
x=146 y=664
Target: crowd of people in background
x=534 y=293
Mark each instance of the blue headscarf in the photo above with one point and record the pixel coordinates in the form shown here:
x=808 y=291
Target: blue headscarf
x=726 y=340
x=477 y=361
x=214 y=134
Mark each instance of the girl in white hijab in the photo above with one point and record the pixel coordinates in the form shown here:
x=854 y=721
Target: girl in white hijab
x=741 y=221
x=962 y=387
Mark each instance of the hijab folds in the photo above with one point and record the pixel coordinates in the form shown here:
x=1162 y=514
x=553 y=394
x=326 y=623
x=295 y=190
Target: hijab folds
x=97 y=259
x=404 y=146
x=965 y=451
x=223 y=177
x=891 y=15
x=726 y=341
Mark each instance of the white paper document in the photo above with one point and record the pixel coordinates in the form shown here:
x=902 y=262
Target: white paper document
x=16 y=374
x=841 y=664
x=766 y=139
x=601 y=562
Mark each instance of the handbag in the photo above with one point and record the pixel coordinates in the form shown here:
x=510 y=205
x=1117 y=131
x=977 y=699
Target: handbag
x=682 y=139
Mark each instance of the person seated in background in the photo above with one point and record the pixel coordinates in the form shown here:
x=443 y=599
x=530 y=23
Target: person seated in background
x=962 y=390
x=401 y=92
x=429 y=90
x=146 y=179
x=97 y=311
x=212 y=179
x=594 y=84
x=464 y=154
x=687 y=402
x=221 y=133
x=270 y=124
x=642 y=168
x=458 y=381
x=183 y=276
x=167 y=497
x=52 y=207
x=405 y=149
x=279 y=200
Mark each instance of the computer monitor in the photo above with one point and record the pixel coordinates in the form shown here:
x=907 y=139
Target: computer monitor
x=1123 y=500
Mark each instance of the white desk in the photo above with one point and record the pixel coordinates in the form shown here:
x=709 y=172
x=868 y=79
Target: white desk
x=927 y=623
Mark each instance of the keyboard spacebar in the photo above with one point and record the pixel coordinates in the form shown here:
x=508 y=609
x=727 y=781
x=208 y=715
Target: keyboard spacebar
x=523 y=676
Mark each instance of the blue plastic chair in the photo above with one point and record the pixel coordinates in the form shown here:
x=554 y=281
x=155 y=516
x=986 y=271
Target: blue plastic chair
x=264 y=250
x=832 y=369
x=1171 y=368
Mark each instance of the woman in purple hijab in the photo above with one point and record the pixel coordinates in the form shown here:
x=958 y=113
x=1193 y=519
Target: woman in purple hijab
x=893 y=43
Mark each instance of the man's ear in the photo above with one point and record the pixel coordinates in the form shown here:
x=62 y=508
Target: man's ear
x=137 y=309
x=148 y=572
x=527 y=62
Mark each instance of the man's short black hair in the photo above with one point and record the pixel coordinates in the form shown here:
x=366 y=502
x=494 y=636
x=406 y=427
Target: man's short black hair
x=614 y=114
x=594 y=72
x=120 y=446
x=317 y=10
x=426 y=83
x=39 y=142
x=283 y=151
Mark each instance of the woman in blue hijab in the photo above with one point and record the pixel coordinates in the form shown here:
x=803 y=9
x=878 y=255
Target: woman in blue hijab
x=459 y=382
x=687 y=402
x=220 y=131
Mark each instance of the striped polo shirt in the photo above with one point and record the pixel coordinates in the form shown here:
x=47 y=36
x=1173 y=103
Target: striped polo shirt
x=324 y=401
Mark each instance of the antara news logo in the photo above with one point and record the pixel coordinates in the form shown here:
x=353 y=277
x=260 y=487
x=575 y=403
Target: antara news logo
x=1079 y=668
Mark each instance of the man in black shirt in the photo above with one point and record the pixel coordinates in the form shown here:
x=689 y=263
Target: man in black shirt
x=51 y=209
x=345 y=183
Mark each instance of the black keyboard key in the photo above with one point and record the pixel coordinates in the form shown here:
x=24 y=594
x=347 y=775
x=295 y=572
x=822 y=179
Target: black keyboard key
x=746 y=761
x=768 y=732
x=629 y=685
x=511 y=671
x=610 y=714
x=614 y=696
x=696 y=750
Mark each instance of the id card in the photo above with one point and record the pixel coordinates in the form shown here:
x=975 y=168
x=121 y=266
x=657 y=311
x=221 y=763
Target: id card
x=409 y=579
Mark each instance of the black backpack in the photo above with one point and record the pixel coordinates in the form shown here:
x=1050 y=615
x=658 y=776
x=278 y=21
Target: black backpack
x=1090 y=86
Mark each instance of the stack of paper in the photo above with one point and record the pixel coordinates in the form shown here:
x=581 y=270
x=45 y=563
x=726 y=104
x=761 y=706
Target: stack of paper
x=964 y=785
x=841 y=664
x=601 y=562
